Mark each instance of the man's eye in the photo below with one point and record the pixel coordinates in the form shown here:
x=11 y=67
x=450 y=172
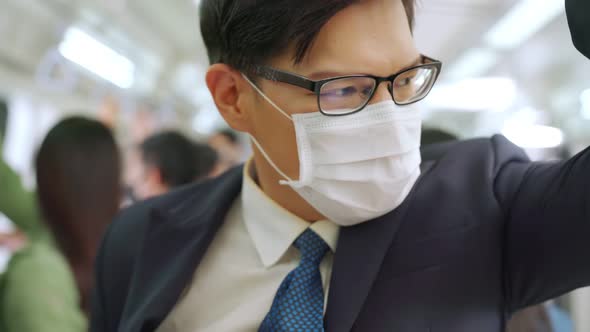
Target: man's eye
x=341 y=92
x=367 y=91
x=402 y=82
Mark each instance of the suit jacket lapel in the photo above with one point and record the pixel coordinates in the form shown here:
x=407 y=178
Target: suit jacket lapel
x=175 y=242
x=177 y=239
x=357 y=262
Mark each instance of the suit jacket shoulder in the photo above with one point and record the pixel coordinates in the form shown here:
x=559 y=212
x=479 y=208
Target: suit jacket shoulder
x=488 y=155
x=124 y=240
x=116 y=259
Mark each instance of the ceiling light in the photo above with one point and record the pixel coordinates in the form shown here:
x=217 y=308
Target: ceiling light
x=533 y=136
x=472 y=63
x=96 y=57
x=522 y=22
x=482 y=94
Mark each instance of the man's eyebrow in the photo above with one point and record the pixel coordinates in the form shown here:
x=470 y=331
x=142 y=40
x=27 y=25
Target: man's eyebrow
x=316 y=76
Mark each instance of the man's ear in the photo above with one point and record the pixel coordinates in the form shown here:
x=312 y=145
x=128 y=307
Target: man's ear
x=227 y=87
x=154 y=176
x=155 y=181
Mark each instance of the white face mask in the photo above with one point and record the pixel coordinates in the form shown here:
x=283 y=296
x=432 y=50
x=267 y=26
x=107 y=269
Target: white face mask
x=357 y=167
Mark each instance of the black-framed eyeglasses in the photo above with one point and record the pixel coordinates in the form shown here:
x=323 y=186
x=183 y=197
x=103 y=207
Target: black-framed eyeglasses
x=349 y=94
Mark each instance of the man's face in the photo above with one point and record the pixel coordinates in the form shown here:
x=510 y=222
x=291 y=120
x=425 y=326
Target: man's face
x=372 y=37
x=144 y=180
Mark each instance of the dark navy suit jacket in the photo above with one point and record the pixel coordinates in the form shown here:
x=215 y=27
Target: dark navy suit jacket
x=484 y=233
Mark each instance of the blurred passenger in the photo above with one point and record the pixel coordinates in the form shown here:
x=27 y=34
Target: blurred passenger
x=19 y=205
x=227 y=144
x=79 y=190
x=37 y=290
x=434 y=136
x=560 y=319
x=533 y=319
x=207 y=161
x=3 y=119
x=78 y=173
x=13 y=241
x=167 y=160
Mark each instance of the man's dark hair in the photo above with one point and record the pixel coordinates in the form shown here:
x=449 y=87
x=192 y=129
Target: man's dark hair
x=245 y=33
x=179 y=159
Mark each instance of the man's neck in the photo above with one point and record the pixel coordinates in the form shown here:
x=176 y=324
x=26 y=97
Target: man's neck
x=268 y=181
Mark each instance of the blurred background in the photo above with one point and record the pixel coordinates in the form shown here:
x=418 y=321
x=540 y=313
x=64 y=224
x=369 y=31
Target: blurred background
x=139 y=66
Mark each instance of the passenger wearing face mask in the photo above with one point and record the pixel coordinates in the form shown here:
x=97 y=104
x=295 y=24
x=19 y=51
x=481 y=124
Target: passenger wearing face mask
x=336 y=224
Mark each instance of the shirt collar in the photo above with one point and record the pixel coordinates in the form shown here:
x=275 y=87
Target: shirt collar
x=272 y=228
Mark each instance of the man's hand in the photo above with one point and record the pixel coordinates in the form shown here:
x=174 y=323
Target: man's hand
x=13 y=241
x=578 y=16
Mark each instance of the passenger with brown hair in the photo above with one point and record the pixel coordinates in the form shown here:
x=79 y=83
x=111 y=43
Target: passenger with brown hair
x=79 y=190
x=47 y=284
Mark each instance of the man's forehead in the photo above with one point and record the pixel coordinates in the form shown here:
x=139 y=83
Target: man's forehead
x=324 y=73
x=373 y=37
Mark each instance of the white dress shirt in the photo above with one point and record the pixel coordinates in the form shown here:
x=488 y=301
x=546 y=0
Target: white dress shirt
x=234 y=285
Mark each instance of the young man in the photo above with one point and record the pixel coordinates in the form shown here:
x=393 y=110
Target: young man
x=334 y=224
x=168 y=160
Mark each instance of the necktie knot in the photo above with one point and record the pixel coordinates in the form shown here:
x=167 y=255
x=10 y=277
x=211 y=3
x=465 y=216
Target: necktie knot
x=312 y=247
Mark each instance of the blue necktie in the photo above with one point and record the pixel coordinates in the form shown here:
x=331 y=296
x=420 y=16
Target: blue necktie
x=299 y=302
